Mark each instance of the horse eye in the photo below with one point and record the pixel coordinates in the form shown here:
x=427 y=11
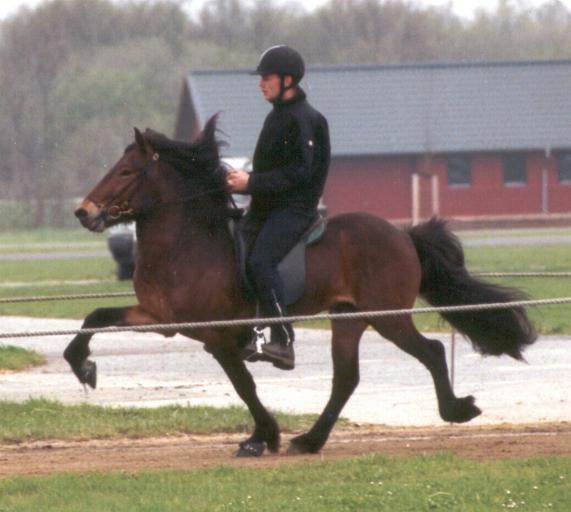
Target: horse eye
x=126 y=172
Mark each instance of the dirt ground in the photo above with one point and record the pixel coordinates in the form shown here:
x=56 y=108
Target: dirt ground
x=196 y=452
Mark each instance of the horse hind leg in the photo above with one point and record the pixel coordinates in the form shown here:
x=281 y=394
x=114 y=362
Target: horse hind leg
x=346 y=335
x=431 y=353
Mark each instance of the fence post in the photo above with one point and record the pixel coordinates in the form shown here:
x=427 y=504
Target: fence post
x=452 y=357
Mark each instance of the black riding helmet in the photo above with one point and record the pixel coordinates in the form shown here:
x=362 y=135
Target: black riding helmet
x=281 y=60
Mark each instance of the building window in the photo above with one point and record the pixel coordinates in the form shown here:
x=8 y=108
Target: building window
x=459 y=171
x=565 y=168
x=515 y=170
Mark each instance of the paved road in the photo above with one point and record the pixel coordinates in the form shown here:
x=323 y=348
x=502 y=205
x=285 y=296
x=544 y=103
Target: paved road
x=146 y=370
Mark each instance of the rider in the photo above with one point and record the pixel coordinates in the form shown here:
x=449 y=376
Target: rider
x=289 y=170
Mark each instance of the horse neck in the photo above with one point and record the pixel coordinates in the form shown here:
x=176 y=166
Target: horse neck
x=177 y=227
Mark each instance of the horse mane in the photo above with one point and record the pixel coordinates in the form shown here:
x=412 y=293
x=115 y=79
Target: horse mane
x=197 y=161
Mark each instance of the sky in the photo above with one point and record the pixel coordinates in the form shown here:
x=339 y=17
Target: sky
x=464 y=8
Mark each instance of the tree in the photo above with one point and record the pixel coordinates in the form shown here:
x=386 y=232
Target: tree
x=35 y=47
x=110 y=90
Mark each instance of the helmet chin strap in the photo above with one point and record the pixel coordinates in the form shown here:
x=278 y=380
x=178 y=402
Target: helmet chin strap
x=284 y=87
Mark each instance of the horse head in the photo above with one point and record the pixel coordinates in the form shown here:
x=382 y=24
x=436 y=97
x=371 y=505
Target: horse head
x=153 y=171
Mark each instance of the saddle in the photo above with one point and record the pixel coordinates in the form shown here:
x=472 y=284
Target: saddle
x=291 y=269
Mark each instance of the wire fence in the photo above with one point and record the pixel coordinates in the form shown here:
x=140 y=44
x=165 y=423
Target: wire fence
x=221 y=324
x=77 y=296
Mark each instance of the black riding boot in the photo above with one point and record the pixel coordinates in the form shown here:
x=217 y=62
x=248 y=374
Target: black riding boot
x=280 y=348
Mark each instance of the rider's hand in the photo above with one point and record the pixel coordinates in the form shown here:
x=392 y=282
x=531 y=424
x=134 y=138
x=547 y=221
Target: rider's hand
x=237 y=180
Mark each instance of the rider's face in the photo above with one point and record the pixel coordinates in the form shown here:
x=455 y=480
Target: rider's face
x=270 y=86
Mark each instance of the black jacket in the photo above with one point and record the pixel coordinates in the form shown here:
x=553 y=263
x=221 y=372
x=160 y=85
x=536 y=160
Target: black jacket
x=291 y=158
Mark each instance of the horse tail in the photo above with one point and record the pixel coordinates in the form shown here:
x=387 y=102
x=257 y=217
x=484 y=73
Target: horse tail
x=446 y=281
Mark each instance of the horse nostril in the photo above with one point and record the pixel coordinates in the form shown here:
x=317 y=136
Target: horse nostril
x=81 y=213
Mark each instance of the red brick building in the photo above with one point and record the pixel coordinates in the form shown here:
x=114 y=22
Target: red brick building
x=384 y=185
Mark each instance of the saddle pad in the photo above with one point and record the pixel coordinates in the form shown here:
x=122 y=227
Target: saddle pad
x=291 y=268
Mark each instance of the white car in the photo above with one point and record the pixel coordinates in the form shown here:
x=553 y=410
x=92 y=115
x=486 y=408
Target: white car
x=241 y=200
x=122 y=242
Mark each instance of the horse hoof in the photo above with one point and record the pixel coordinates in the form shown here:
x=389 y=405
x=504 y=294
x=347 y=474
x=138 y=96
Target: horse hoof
x=301 y=445
x=251 y=449
x=295 y=449
x=87 y=373
x=463 y=410
x=89 y=369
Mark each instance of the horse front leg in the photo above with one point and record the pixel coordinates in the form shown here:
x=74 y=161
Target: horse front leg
x=266 y=431
x=77 y=351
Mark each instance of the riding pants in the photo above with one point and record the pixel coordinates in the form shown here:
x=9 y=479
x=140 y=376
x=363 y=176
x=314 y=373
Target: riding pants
x=271 y=236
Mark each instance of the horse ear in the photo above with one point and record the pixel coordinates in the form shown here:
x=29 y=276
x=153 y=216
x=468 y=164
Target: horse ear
x=143 y=143
x=209 y=132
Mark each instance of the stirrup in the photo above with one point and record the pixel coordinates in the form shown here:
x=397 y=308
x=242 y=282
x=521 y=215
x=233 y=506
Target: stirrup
x=252 y=352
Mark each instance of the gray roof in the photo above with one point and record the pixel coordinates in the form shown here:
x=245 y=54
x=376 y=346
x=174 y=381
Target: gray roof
x=409 y=109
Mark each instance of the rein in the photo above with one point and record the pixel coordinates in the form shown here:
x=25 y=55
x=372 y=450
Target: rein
x=190 y=197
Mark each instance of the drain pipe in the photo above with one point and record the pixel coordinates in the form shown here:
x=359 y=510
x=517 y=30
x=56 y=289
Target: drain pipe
x=415 y=198
x=545 y=182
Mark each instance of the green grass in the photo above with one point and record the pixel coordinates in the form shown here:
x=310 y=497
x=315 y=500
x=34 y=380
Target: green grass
x=51 y=241
x=25 y=240
x=77 y=309
x=512 y=233
x=530 y=258
x=439 y=482
x=70 y=269
x=18 y=359
x=50 y=276
x=41 y=419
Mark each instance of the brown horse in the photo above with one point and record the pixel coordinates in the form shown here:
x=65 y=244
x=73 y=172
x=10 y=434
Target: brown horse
x=186 y=272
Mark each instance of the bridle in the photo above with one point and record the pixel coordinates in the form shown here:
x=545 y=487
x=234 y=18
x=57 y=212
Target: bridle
x=116 y=211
